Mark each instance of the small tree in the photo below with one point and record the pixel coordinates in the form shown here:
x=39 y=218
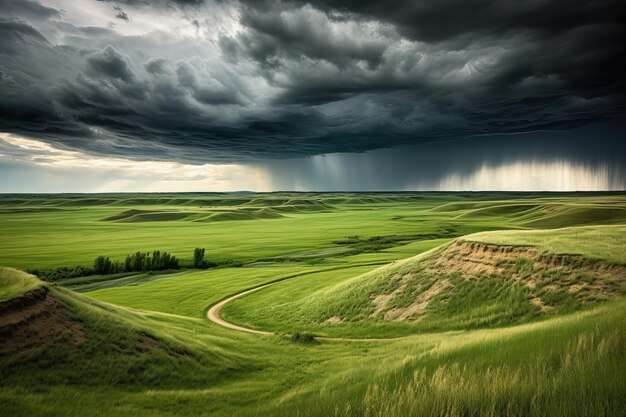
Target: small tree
x=102 y=265
x=138 y=259
x=157 y=263
x=198 y=257
x=128 y=264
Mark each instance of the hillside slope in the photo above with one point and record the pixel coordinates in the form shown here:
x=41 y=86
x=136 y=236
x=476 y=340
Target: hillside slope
x=51 y=336
x=108 y=360
x=467 y=284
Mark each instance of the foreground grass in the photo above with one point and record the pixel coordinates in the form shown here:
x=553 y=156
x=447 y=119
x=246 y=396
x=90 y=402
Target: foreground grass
x=572 y=366
x=567 y=366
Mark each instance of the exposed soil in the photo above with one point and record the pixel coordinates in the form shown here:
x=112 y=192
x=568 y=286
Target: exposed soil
x=381 y=300
x=333 y=320
x=539 y=303
x=420 y=303
x=34 y=319
x=529 y=266
x=583 y=278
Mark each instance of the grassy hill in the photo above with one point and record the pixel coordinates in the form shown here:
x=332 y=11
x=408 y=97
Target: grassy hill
x=69 y=339
x=93 y=359
x=79 y=354
x=491 y=279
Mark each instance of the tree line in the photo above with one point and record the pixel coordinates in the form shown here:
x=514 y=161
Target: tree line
x=136 y=262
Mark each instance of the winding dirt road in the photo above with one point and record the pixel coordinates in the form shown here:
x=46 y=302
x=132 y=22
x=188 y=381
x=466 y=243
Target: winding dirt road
x=214 y=312
x=214 y=315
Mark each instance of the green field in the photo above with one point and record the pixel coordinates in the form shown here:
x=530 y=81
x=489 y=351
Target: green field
x=421 y=304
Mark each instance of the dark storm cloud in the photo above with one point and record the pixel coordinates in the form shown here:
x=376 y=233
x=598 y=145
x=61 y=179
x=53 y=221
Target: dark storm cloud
x=188 y=78
x=157 y=3
x=110 y=63
x=443 y=20
x=25 y=99
x=521 y=66
x=576 y=164
x=27 y=9
x=121 y=14
x=156 y=66
x=15 y=35
x=275 y=36
x=306 y=78
x=568 y=49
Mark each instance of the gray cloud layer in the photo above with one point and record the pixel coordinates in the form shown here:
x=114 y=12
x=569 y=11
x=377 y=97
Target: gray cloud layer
x=538 y=161
x=249 y=80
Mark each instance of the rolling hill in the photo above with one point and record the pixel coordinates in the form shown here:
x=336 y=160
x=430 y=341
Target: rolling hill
x=490 y=279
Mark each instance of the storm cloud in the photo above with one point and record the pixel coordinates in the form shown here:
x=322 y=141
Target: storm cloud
x=244 y=81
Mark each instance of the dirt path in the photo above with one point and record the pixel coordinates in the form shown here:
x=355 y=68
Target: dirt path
x=214 y=312
x=214 y=315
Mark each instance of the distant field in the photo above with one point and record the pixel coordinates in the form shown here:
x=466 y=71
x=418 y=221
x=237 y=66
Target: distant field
x=495 y=304
x=73 y=230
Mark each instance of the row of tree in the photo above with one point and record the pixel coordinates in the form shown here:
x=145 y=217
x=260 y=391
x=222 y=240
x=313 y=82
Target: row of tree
x=136 y=262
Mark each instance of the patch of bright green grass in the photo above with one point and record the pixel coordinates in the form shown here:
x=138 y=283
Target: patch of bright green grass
x=570 y=366
x=98 y=282
x=77 y=236
x=147 y=216
x=577 y=215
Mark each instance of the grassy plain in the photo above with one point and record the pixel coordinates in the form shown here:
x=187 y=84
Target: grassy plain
x=145 y=348
x=74 y=229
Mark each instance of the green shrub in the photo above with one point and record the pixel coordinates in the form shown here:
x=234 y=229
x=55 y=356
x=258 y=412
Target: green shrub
x=302 y=337
x=63 y=272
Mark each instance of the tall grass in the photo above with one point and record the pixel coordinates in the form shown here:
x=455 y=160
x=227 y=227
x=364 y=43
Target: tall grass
x=578 y=386
x=561 y=372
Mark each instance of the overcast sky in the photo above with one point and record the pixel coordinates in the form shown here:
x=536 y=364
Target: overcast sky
x=199 y=95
